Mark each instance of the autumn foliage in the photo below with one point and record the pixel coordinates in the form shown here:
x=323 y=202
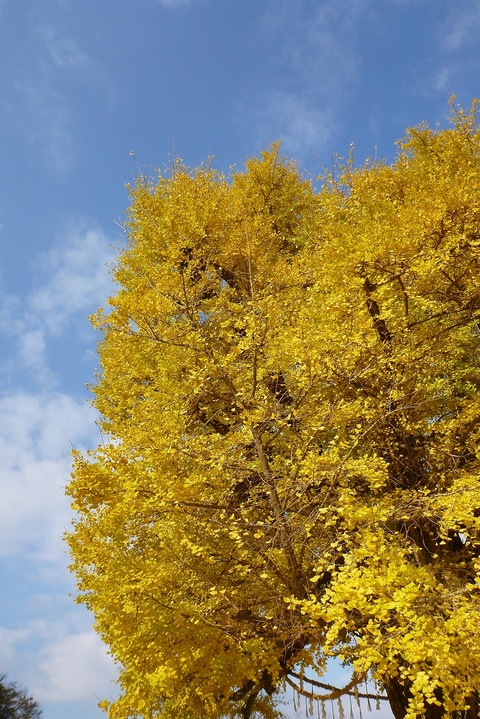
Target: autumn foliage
x=289 y=468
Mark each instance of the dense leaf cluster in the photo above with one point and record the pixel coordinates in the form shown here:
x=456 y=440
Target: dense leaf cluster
x=290 y=405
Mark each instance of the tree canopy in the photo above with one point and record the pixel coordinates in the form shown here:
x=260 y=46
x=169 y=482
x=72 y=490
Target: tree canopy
x=15 y=703
x=289 y=468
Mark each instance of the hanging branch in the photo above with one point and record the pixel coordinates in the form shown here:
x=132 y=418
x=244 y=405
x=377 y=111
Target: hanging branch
x=334 y=692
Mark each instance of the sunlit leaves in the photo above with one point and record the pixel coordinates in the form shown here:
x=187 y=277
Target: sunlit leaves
x=289 y=389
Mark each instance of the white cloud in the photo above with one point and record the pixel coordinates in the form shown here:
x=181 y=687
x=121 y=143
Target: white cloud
x=32 y=347
x=76 y=277
x=9 y=638
x=39 y=427
x=32 y=354
x=73 y=280
x=10 y=314
x=444 y=78
x=37 y=432
x=286 y=116
x=59 y=661
x=73 y=667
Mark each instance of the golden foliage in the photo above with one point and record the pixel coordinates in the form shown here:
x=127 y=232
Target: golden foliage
x=289 y=389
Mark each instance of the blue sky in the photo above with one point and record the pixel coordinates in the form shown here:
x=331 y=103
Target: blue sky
x=81 y=86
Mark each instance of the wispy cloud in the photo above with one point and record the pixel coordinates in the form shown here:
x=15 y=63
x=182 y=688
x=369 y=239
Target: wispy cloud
x=461 y=26
x=454 y=62
x=302 y=126
x=45 y=112
x=64 y=51
x=73 y=277
x=39 y=426
x=47 y=123
x=66 y=660
x=10 y=638
x=76 y=276
x=300 y=91
x=37 y=432
x=46 y=105
x=72 y=667
x=62 y=659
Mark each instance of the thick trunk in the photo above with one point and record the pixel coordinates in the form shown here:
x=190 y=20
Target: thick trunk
x=398 y=698
x=398 y=695
x=474 y=711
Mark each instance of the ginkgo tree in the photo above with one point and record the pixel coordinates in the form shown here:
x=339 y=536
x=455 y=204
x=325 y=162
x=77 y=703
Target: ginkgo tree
x=289 y=468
